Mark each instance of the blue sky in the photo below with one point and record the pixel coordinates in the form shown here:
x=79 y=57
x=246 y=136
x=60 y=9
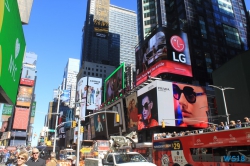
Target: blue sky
x=54 y=33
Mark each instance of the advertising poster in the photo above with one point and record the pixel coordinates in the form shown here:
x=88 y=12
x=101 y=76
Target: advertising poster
x=33 y=112
x=65 y=96
x=101 y=18
x=12 y=48
x=100 y=121
x=6 y=111
x=166 y=51
x=114 y=84
x=132 y=110
x=24 y=96
x=30 y=58
x=4 y=126
x=28 y=75
x=81 y=96
x=176 y=104
x=89 y=94
x=21 y=118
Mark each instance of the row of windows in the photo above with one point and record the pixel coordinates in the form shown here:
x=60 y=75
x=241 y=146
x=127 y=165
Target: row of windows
x=151 y=21
x=94 y=74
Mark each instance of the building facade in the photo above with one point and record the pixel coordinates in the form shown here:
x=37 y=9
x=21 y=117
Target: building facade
x=124 y=22
x=69 y=78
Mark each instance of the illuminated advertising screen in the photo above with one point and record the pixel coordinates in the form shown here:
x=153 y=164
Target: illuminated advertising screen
x=12 y=48
x=132 y=110
x=6 y=111
x=28 y=75
x=21 y=118
x=30 y=58
x=176 y=104
x=89 y=91
x=167 y=51
x=98 y=124
x=65 y=96
x=33 y=112
x=101 y=18
x=24 y=96
x=114 y=84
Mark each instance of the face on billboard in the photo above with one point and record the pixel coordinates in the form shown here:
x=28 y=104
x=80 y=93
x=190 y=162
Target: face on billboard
x=12 y=47
x=147 y=104
x=190 y=103
x=4 y=126
x=132 y=110
x=165 y=52
x=114 y=85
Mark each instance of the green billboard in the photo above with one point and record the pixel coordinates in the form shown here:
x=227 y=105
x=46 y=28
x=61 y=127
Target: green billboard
x=12 y=48
x=7 y=109
x=33 y=109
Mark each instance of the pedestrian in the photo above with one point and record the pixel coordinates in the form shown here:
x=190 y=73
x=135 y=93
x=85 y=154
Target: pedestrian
x=53 y=161
x=22 y=158
x=35 y=160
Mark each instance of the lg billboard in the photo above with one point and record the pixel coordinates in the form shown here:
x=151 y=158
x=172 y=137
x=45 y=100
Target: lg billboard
x=166 y=51
x=176 y=104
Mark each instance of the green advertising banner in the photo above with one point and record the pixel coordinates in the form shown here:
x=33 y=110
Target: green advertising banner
x=33 y=109
x=12 y=48
x=7 y=109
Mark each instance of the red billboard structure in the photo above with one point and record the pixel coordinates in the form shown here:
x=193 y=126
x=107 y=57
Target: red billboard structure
x=166 y=51
x=21 y=118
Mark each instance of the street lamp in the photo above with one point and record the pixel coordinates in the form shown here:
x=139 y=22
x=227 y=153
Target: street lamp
x=223 y=89
x=47 y=124
x=57 y=111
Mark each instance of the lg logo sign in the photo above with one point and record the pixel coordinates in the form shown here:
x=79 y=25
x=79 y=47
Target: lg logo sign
x=178 y=45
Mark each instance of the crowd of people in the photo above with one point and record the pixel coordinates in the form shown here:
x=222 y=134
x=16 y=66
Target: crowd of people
x=211 y=128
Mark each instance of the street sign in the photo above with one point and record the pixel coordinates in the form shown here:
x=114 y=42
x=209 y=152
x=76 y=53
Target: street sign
x=51 y=130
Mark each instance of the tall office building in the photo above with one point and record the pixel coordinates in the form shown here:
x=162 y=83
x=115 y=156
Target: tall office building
x=69 y=78
x=110 y=37
x=217 y=30
x=124 y=22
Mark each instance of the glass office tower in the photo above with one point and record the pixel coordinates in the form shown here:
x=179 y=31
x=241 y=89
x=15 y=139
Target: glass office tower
x=217 y=30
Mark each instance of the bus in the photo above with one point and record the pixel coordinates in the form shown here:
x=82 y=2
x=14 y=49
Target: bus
x=218 y=148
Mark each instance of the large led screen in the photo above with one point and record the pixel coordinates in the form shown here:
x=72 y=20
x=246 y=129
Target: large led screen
x=132 y=110
x=101 y=18
x=176 y=104
x=167 y=51
x=28 y=75
x=114 y=84
x=21 y=118
x=6 y=111
x=24 y=96
x=99 y=121
x=89 y=94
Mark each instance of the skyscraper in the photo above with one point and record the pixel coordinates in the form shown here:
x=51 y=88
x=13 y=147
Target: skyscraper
x=217 y=31
x=109 y=38
x=124 y=22
x=69 y=78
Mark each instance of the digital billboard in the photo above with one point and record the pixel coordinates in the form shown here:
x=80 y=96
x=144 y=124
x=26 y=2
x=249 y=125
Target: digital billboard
x=114 y=84
x=132 y=110
x=99 y=121
x=166 y=51
x=65 y=96
x=33 y=112
x=28 y=75
x=21 y=118
x=12 y=48
x=6 y=111
x=101 y=18
x=176 y=104
x=30 y=58
x=24 y=96
x=89 y=94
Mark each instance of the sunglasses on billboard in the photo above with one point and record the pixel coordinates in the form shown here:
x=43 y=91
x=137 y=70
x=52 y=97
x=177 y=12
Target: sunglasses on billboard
x=188 y=92
x=146 y=105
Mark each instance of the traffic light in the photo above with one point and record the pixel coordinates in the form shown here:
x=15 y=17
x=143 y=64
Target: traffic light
x=163 y=124
x=117 y=118
x=82 y=129
x=73 y=124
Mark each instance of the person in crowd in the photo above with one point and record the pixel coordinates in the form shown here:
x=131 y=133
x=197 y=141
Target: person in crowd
x=73 y=161
x=232 y=124
x=99 y=125
x=22 y=158
x=53 y=161
x=35 y=160
x=246 y=122
x=192 y=101
x=146 y=120
x=238 y=124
